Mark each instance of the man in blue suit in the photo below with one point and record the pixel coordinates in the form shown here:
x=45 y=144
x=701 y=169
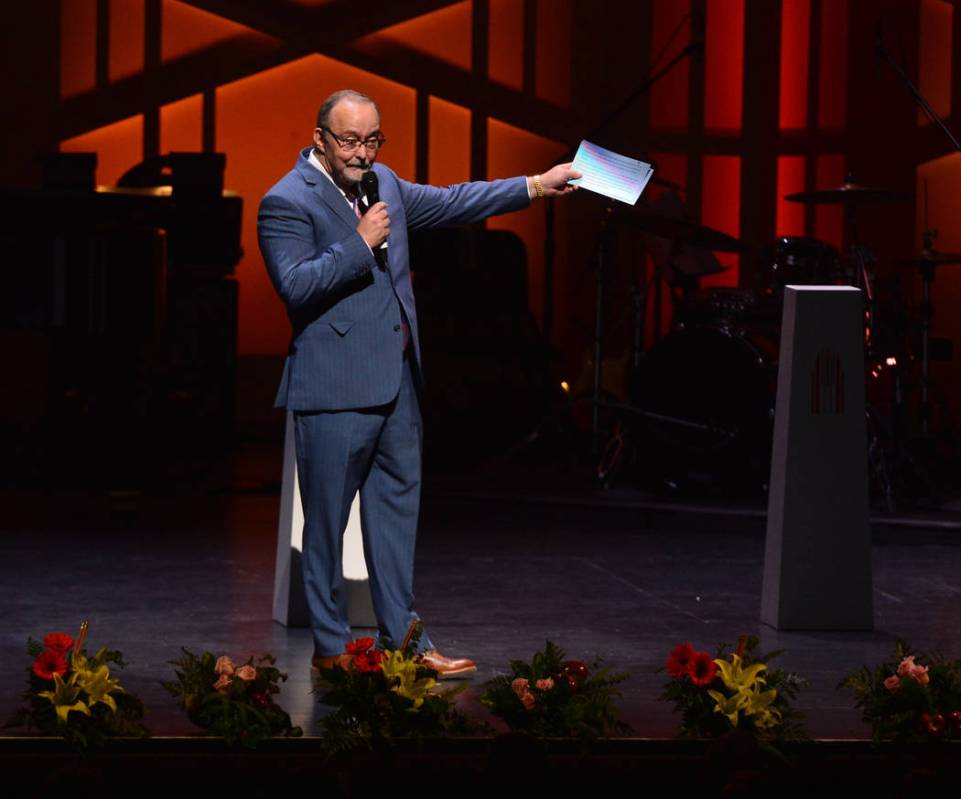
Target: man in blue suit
x=351 y=375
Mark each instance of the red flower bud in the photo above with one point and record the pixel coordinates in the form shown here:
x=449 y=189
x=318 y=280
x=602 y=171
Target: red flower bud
x=933 y=725
x=577 y=669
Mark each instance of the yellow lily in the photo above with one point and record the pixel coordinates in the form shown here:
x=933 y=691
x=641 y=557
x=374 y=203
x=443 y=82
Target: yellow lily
x=404 y=671
x=98 y=685
x=728 y=706
x=737 y=678
x=759 y=705
x=747 y=697
x=64 y=697
x=92 y=676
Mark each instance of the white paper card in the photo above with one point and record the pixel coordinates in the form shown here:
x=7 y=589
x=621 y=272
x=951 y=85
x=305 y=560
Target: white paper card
x=610 y=174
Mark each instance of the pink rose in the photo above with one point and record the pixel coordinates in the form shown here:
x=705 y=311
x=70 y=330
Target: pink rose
x=920 y=675
x=905 y=666
x=224 y=665
x=520 y=686
x=223 y=684
x=892 y=683
x=527 y=700
x=917 y=672
x=545 y=685
x=246 y=673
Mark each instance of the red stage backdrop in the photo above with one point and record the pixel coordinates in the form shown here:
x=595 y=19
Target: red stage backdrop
x=786 y=96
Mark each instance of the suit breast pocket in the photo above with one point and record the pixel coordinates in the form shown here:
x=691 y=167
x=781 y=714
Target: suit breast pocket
x=341 y=328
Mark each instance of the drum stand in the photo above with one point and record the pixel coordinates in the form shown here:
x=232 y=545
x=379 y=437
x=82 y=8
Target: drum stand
x=927 y=313
x=911 y=476
x=927 y=262
x=916 y=460
x=862 y=261
x=598 y=343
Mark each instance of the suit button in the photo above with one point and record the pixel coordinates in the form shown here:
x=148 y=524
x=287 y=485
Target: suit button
x=396 y=328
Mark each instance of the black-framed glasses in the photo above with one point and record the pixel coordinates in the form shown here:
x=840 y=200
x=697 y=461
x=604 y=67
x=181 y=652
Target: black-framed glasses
x=373 y=144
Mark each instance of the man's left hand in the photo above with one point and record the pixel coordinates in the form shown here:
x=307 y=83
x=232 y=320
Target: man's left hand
x=554 y=181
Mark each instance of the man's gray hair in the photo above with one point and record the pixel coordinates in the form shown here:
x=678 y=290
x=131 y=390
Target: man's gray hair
x=323 y=115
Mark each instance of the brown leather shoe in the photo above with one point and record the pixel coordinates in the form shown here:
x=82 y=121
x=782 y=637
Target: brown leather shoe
x=317 y=662
x=447 y=668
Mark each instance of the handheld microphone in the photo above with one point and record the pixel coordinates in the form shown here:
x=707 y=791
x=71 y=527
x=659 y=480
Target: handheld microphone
x=371 y=189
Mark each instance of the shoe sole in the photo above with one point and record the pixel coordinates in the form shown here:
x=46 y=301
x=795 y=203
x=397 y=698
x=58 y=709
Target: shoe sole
x=456 y=674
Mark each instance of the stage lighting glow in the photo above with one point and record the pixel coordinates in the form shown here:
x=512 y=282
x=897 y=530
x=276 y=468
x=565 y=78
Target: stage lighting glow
x=565 y=387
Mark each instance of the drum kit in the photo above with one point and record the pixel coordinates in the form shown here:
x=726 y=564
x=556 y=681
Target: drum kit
x=699 y=419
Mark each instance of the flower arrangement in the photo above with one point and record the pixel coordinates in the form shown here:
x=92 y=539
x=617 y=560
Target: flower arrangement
x=379 y=695
x=555 y=697
x=734 y=690
x=235 y=702
x=76 y=697
x=913 y=698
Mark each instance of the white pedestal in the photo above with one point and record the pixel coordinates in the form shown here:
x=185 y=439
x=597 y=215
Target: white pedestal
x=817 y=561
x=290 y=606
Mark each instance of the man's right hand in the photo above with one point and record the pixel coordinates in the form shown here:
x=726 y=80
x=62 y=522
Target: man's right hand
x=374 y=226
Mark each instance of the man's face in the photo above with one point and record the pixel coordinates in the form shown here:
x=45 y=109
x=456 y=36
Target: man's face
x=354 y=120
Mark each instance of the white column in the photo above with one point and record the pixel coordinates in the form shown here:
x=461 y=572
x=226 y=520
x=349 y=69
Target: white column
x=290 y=607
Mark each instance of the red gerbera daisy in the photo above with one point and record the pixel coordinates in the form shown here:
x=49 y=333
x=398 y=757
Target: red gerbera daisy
x=58 y=642
x=702 y=669
x=49 y=663
x=679 y=660
x=359 y=647
x=369 y=661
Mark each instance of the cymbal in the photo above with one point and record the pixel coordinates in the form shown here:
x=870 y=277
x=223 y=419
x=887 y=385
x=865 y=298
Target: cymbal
x=693 y=233
x=849 y=194
x=934 y=258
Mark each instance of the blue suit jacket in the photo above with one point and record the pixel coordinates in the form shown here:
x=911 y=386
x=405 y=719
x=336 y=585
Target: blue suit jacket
x=347 y=348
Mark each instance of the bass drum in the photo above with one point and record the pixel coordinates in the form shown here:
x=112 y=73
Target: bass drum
x=705 y=412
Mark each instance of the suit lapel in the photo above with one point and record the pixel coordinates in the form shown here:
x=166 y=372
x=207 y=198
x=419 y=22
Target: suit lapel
x=335 y=201
x=326 y=191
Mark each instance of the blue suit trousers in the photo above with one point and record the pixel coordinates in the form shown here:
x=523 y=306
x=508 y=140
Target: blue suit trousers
x=378 y=452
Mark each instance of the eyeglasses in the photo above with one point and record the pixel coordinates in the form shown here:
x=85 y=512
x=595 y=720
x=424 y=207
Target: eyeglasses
x=373 y=144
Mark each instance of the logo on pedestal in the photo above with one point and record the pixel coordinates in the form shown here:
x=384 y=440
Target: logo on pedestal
x=827 y=384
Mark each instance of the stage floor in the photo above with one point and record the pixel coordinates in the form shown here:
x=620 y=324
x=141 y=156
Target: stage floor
x=496 y=577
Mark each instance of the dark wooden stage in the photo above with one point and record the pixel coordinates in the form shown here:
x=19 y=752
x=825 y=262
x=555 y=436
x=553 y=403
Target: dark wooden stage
x=612 y=574
x=508 y=558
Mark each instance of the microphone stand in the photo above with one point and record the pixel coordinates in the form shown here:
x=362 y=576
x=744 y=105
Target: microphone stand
x=924 y=105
